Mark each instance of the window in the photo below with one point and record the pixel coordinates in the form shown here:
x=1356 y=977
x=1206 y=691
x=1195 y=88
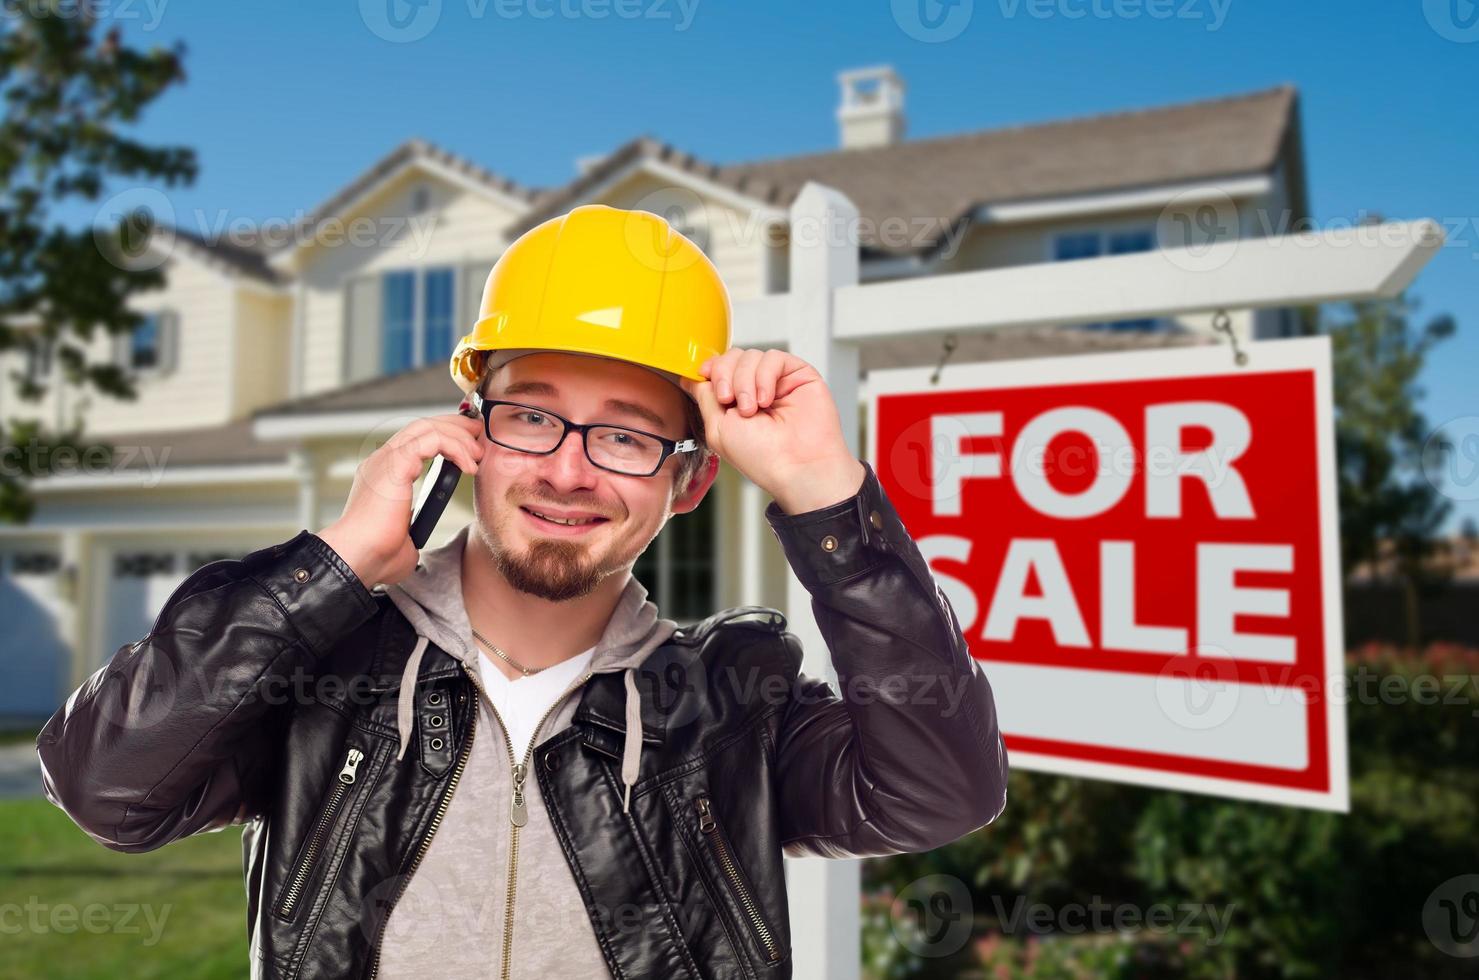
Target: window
x=408 y=318
x=439 y=293
x=398 y=323
x=153 y=346
x=416 y=318
x=143 y=345
x=1092 y=244
x=677 y=569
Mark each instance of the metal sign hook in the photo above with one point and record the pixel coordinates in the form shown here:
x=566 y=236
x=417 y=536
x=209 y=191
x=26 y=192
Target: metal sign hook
x=1222 y=323
x=949 y=346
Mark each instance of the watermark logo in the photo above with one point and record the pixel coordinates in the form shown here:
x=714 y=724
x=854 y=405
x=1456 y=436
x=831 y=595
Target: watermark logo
x=134 y=229
x=1450 y=458
x=933 y=21
x=1198 y=232
x=1451 y=916
x=1453 y=20
x=1199 y=694
x=933 y=916
x=400 y=21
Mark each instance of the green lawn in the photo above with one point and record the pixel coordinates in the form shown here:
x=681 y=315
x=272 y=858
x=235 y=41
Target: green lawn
x=70 y=907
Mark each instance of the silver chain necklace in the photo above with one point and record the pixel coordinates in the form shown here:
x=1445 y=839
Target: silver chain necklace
x=505 y=657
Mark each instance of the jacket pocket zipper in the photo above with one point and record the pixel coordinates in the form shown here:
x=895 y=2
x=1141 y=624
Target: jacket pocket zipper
x=347 y=775
x=710 y=828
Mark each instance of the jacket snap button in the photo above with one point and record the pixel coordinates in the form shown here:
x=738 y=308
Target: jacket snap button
x=551 y=761
x=301 y=575
x=829 y=543
x=875 y=520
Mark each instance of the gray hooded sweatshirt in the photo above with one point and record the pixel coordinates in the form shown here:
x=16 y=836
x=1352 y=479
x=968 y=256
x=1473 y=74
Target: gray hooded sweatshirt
x=450 y=921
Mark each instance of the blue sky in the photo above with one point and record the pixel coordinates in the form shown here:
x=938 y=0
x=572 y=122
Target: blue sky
x=286 y=101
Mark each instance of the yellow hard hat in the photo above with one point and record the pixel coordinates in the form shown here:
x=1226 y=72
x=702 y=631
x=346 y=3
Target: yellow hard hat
x=601 y=281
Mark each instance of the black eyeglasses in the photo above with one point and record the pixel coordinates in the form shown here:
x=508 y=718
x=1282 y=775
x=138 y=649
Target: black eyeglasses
x=539 y=432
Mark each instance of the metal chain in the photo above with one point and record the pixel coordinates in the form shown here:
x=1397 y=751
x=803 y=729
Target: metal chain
x=506 y=658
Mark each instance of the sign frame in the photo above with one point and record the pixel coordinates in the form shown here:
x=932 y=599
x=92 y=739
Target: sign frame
x=1311 y=354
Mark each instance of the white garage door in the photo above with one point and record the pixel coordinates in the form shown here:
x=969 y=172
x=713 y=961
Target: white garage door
x=33 y=658
x=141 y=581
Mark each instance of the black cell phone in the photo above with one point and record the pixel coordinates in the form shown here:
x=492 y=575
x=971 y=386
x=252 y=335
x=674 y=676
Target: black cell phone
x=436 y=493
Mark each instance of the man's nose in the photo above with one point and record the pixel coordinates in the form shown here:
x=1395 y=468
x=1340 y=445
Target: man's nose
x=567 y=468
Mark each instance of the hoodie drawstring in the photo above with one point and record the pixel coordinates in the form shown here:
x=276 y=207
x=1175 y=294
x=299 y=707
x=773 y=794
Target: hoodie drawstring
x=631 y=748
x=405 y=703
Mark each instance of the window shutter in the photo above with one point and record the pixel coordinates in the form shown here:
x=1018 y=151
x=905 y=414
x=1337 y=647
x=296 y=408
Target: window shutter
x=121 y=350
x=169 y=341
x=362 y=329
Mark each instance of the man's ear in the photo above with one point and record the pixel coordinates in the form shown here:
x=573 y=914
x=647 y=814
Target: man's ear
x=698 y=485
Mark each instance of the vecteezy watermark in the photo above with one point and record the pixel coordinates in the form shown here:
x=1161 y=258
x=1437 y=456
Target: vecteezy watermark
x=1450 y=458
x=1213 y=12
x=143 y=465
x=1451 y=916
x=1453 y=20
x=932 y=21
x=1202 y=230
x=123 y=919
x=403 y=21
x=143 y=14
x=139 y=228
x=1189 y=920
x=702 y=223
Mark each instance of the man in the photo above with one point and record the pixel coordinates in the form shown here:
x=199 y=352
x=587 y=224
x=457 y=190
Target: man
x=495 y=758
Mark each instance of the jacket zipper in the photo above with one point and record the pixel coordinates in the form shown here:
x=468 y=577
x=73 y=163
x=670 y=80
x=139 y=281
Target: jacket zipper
x=347 y=775
x=436 y=821
x=710 y=827
x=518 y=816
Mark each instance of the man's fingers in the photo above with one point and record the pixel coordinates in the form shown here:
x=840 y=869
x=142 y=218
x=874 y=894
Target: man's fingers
x=767 y=376
x=708 y=404
x=744 y=380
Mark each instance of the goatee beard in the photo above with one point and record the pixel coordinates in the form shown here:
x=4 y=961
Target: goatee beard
x=551 y=570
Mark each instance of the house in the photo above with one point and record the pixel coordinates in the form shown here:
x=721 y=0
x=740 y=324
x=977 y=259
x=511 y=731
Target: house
x=276 y=359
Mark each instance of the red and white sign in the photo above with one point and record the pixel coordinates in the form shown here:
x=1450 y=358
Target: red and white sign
x=1142 y=548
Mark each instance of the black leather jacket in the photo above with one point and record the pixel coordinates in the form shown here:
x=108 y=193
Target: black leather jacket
x=235 y=709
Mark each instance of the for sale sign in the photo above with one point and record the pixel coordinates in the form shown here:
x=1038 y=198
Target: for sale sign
x=1142 y=548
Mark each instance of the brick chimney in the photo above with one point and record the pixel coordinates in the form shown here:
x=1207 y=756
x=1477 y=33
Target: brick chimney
x=872 y=108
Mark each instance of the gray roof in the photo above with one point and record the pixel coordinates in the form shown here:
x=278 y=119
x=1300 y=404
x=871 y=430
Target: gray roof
x=214 y=445
x=241 y=258
x=422 y=386
x=945 y=178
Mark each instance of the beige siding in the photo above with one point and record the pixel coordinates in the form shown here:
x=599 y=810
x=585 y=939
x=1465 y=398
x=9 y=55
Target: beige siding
x=261 y=366
x=459 y=227
x=197 y=392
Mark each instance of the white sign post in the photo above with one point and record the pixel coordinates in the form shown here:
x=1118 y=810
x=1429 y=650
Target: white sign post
x=828 y=317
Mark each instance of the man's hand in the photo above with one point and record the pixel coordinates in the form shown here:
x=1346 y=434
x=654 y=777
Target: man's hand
x=770 y=414
x=373 y=535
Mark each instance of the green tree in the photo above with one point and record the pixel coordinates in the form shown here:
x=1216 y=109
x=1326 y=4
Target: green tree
x=72 y=90
x=1380 y=436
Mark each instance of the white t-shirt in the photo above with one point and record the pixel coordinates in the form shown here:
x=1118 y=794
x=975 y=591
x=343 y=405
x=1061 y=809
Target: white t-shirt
x=521 y=703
